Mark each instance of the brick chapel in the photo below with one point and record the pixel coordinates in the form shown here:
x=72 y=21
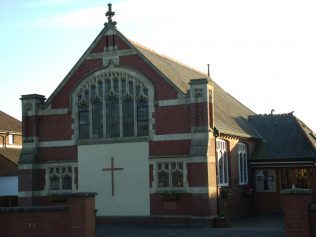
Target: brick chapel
x=151 y=136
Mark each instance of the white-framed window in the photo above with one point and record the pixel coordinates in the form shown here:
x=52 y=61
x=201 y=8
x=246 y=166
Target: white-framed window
x=242 y=163
x=222 y=163
x=61 y=178
x=170 y=175
x=11 y=139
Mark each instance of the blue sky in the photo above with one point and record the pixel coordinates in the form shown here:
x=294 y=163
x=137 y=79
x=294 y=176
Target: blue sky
x=261 y=52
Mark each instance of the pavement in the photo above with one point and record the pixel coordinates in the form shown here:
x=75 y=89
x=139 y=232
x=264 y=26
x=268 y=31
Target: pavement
x=271 y=225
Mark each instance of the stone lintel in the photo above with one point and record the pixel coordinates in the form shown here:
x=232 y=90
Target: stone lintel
x=297 y=191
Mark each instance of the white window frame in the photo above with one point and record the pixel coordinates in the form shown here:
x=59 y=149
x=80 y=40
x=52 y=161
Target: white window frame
x=222 y=171
x=242 y=163
x=11 y=139
x=60 y=175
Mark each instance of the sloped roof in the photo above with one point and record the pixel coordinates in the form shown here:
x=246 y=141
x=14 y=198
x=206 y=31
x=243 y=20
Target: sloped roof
x=284 y=138
x=8 y=123
x=177 y=72
x=310 y=135
x=231 y=116
x=12 y=154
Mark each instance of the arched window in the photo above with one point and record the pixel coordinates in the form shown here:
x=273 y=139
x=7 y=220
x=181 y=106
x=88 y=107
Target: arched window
x=113 y=104
x=242 y=163
x=222 y=163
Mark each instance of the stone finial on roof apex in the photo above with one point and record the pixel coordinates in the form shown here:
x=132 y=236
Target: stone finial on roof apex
x=109 y=14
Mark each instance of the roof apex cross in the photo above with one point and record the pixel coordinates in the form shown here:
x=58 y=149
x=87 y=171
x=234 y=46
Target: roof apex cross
x=109 y=14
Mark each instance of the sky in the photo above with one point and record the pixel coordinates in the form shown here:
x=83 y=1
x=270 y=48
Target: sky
x=262 y=52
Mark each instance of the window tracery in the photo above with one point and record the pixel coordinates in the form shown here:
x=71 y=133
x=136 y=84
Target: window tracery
x=170 y=175
x=112 y=104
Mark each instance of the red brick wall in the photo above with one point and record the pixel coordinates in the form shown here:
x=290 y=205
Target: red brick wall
x=31 y=180
x=57 y=153
x=102 y=44
x=165 y=91
x=17 y=139
x=62 y=99
x=312 y=221
x=8 y=201
x=179 y=147
x=211 y=114
x=199 y=114
x=237 y=204
x=25 y=180
x=197 y=174
x=267 y=202
x=55 y=127
x=296 y=213
x=76 y=218
x=172 y=119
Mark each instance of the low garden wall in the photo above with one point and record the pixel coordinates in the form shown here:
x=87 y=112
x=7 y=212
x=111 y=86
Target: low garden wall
x=74 y=217
x=299 y=213
x=8 y=201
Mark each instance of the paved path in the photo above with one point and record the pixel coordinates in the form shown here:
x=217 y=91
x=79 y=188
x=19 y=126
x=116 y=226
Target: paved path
x=258 y=226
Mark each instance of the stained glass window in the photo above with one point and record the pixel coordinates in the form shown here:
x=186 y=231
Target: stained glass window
x=84 y=122
x=97 y=119
x=142 y=118
x=112 y=117
x=113 y=105
x=128 y=117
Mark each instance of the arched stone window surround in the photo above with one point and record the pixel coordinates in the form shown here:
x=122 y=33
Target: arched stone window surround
x=89 y=91
x=222 y=162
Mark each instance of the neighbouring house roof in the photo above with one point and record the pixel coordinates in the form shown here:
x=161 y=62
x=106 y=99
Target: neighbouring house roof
x=231 y=116
x=7 y=166
x=284 y=138
x=9 y=124
x=12 y=154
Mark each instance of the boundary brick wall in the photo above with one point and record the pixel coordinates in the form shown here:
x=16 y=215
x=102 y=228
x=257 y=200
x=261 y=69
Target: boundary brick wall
x=299 y=214
x=312 y=221
x=75 y=217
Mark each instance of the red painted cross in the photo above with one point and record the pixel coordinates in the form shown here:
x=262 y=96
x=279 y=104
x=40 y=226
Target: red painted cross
x=112 y=169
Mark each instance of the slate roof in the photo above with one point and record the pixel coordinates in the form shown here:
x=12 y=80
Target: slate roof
x=231 y=116
x=9 y=124
x=284 y=138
